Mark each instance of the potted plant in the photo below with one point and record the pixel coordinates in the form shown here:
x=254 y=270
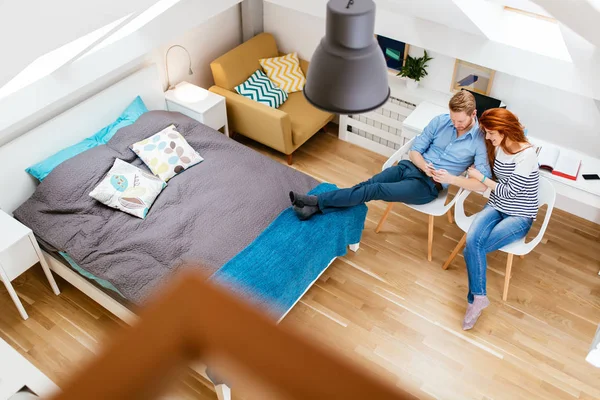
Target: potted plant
x=414 y=70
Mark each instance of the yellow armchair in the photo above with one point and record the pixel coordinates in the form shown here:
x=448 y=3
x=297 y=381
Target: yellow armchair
x=283 y=129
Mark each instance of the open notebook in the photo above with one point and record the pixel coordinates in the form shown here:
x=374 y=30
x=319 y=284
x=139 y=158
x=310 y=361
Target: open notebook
x=559 y=163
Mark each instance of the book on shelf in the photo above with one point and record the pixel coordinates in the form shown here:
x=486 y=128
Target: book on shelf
x=559 y=163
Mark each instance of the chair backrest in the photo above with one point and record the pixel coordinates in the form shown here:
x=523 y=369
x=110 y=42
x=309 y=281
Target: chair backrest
x=400 y=154
x=235 y=66
x=546 y=195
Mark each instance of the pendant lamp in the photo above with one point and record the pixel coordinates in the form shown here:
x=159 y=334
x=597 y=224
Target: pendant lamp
x=348 y=73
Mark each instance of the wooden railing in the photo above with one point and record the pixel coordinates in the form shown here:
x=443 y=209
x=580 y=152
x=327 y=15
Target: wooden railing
x=190 y=320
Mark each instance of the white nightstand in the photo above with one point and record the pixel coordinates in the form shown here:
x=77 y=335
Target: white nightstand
x=200 y=104
x=19 y=251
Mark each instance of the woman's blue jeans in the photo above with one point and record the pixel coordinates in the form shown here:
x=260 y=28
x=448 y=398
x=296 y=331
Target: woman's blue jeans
x=490 y=231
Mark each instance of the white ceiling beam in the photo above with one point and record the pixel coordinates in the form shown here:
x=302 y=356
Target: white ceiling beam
x=32 y=28
x=484 y=14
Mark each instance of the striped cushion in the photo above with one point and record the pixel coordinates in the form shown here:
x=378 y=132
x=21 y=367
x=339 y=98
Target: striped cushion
x=285 y=72
x=259 y=88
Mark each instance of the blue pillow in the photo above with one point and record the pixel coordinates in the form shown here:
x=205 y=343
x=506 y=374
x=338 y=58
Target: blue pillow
x=128 y=117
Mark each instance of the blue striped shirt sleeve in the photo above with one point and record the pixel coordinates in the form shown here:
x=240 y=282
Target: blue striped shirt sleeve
x=520 y=179
x=424 y=140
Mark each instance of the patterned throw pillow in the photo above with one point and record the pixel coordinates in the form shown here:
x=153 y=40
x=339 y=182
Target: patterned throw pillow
x=166 y=153
x=259 y=88
x=285 y=72
x=129 y=189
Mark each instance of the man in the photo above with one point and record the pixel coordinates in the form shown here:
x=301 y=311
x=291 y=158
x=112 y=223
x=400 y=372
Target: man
x=449 y=145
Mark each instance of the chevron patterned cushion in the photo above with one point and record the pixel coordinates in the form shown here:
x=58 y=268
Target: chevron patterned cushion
x=285 y=72
x=259 y=88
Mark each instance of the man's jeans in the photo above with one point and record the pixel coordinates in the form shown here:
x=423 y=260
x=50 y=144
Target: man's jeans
x=403 y=183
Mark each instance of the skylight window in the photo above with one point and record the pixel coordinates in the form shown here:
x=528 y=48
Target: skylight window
x=534 y=32
x=138 y=22
x=50 y=62
x=531 y=14
x=521 y=24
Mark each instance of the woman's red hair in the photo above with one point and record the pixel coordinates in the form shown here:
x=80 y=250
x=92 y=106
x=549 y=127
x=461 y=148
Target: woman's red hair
x=507 y=124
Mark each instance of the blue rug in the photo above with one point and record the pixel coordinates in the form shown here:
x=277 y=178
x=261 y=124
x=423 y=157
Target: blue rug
x=275 y=270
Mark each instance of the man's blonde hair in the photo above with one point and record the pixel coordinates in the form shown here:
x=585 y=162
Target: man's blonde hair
x=462 y=101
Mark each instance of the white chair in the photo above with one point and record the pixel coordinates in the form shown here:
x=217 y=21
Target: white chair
x=435 y=208
x=547 y=195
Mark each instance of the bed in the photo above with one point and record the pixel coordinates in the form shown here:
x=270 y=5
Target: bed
x=227 y=212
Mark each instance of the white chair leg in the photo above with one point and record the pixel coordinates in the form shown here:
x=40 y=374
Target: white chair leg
x=507 y=276
x=13 y=293
x=44 y=264
x=430 y=238
x=223 y=392
x=354 y=247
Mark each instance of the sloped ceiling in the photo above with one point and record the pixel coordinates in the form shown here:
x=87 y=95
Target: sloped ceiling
x=465 y=29
x=579 y=15
x=31 y=28
x=445 y=12
x=35 y=103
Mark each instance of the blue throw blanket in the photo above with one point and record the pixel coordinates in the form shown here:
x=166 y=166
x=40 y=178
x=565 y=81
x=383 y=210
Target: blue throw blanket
x=276 y=269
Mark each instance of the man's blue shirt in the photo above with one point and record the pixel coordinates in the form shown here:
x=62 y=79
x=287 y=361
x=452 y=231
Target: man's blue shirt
x=440 y=146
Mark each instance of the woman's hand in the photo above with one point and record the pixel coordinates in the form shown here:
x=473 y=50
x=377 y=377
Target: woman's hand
x=443 y=176
x=475 y=174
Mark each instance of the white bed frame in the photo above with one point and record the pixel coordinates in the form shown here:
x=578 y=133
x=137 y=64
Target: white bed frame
x=68 y=128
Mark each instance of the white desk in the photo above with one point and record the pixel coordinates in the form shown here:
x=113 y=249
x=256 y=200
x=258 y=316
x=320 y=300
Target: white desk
x=418 y=119
x=579 y=197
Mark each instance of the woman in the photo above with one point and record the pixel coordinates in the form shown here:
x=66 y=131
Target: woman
x=512 y=206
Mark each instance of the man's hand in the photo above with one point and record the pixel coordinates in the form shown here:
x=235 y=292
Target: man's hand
x=443 y=176
x=429 y=170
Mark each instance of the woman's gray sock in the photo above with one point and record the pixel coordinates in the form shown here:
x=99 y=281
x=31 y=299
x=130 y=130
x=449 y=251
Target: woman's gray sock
x=474 y=311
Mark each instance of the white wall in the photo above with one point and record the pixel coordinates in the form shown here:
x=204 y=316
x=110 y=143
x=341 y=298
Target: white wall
x=205 y=43
x=252 y=18
x=552 y=114
x=560 y=117
x=293 y=30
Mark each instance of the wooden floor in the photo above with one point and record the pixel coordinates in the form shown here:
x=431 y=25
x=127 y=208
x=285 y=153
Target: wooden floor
x=389 y=309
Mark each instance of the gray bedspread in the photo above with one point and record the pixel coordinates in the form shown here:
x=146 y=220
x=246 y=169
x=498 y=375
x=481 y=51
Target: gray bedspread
x=206 y=214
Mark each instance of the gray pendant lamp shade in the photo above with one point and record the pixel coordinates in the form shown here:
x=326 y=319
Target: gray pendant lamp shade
x=348 y=73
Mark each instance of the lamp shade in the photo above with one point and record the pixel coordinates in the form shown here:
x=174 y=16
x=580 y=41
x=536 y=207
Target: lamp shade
x=347 y=72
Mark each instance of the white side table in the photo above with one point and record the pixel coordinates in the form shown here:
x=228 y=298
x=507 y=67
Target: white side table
x=16 y=372
x=200 y=104
x=19 y=251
